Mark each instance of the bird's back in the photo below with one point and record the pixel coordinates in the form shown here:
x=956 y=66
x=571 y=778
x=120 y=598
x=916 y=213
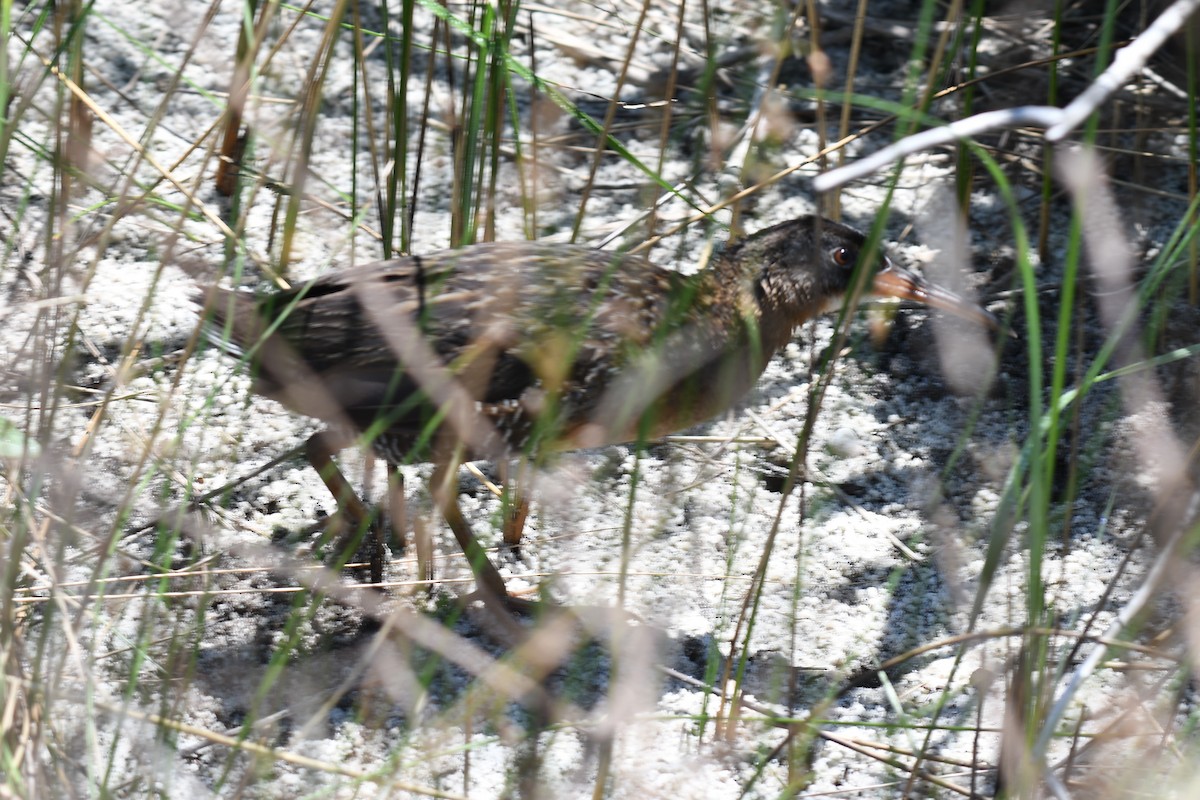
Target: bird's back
x=519 y=325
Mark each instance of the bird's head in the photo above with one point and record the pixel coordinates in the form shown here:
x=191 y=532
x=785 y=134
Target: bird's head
x=806 y=266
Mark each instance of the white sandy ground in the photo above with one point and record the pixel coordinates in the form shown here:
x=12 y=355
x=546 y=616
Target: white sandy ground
x=878 y=553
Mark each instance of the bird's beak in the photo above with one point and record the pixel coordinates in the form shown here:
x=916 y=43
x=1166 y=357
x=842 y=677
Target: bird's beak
x=892 y=281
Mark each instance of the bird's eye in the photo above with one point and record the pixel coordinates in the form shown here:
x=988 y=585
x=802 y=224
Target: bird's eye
x=843 y=257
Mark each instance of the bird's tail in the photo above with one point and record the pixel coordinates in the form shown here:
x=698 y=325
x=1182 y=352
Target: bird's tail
x=232 y=322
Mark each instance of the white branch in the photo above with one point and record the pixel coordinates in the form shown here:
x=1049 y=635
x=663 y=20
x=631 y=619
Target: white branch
x=1058 y=122
x=1127 y=63
x=1022 y=116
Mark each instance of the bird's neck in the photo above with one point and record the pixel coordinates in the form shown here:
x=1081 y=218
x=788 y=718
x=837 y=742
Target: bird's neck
x=746 y=309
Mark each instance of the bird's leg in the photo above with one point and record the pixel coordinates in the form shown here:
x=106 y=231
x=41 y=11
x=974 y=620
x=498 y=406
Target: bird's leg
x=398 y=515
x=514 y=502
x=397 y=507
x=378 y=540
x=319 y=453
x=445 y=493
x=398 y=512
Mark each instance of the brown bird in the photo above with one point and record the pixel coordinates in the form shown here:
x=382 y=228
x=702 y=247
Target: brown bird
x=528 y=348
